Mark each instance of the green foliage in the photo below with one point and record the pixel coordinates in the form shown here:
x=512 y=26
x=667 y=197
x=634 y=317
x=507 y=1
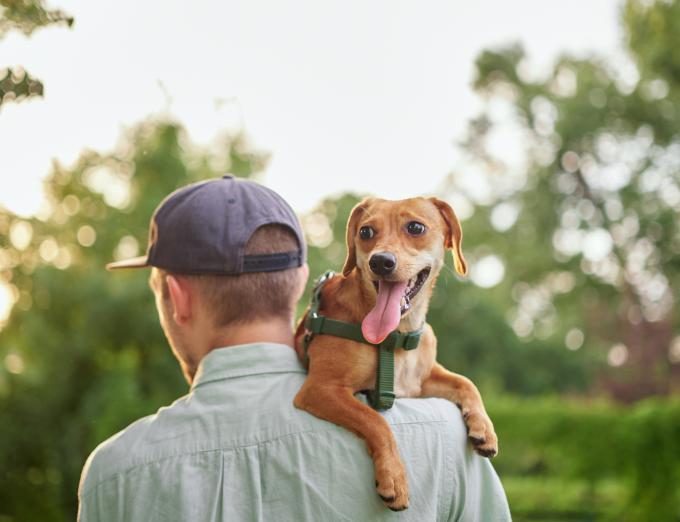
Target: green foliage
x=653 y=34
x=93 y=357
x=28 y=15
x=592 y=460
x=586 y=225
x=83 y=354
x=92 y=352
x=25 y=16
x=17 y=84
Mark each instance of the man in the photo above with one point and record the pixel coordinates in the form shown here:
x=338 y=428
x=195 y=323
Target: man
x=228 y=266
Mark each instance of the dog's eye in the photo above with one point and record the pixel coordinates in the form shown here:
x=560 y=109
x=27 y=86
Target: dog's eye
x=415 y=229
x=366 y=232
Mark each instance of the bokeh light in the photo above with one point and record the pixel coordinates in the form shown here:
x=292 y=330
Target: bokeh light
x=6 y=302
x=618 y=355
x=487 y=271
x=86 y=236
x=14 y=363
x=574 y=339
x=20 y=234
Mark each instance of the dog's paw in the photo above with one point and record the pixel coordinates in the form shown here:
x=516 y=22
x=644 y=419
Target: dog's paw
x=392 y=486
x=481 y=433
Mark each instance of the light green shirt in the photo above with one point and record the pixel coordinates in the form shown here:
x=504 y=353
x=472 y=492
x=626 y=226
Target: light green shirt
x=235 y=448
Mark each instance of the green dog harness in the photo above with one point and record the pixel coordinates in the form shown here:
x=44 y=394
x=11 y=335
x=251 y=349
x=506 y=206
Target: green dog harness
x=382 y=398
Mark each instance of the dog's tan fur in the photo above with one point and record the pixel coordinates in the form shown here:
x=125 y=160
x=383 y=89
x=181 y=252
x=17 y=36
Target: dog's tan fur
x=339 y=368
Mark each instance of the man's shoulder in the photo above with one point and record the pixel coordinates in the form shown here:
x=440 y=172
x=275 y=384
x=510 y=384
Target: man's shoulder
x=266 y=440
x=421 y=410
x=428 y=411
x=138 y=444
x=220 y=417
x=122 y=451
x=428 y=418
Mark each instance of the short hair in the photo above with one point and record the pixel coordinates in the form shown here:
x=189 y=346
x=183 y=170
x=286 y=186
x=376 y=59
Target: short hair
x=239 y=299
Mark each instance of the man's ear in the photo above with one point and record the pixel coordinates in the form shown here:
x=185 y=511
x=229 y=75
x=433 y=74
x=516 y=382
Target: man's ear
x=354 y=217
x=454 y=235
x=180 y=296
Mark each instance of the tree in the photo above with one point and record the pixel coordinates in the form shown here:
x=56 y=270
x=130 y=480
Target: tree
x=25 y=16
x=586 y=223
x=83 y=350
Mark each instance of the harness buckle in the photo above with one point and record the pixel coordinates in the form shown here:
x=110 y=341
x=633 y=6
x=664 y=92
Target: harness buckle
x=322 y=281
x=412 y=340
x=310 y=317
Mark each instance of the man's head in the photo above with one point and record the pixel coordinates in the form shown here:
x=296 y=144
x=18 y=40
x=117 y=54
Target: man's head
x=227 y=262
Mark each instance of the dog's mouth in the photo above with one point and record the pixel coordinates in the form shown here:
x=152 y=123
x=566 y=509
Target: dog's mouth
x=413 y=286
x=391 y=304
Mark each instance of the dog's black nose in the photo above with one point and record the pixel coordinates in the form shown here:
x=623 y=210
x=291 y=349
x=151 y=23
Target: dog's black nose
x=382 y=263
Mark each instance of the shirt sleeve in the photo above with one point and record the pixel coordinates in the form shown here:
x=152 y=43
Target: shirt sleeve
x=90 y=505
x=104 y=496
x=448 y=481
x=481 y=497
x=96 y=503
x=94 y=507
x=477 y=494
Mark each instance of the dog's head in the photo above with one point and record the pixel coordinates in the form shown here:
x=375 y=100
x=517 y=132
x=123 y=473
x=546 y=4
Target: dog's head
x=399 y=247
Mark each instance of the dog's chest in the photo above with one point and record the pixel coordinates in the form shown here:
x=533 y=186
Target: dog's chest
x=409 y=373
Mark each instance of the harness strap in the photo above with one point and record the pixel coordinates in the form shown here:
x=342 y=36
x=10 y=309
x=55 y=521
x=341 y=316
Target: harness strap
x=383 y=396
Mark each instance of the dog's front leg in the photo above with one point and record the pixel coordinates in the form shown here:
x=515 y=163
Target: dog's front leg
x=338 y=405
x=464 y=394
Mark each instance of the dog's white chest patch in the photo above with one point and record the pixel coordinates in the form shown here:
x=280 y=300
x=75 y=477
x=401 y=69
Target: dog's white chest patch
x=407 y=376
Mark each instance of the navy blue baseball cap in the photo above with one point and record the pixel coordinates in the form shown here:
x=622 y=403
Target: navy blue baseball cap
x=203 y=228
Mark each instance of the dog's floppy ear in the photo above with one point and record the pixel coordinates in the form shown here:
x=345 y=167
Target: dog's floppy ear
x=354 y=218
x=454 y=235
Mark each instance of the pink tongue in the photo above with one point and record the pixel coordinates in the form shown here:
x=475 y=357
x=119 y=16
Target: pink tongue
x=386 y=314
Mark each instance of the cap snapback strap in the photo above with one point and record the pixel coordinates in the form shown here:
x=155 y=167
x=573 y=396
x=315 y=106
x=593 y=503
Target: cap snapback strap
x=272 y=262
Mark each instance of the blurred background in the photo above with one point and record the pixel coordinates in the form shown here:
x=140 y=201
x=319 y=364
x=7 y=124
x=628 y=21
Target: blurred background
x=552 y=128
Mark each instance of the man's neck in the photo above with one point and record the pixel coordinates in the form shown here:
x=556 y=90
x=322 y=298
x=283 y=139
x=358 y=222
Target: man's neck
x=272 y=330
x=261 y=331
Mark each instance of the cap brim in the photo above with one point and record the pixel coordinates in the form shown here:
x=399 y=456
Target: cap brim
x=135 y=262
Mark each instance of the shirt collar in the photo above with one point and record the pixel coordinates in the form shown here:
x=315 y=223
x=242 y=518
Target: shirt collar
x=246 y=359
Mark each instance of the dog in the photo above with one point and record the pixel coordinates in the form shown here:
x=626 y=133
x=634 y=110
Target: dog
x=395 y=251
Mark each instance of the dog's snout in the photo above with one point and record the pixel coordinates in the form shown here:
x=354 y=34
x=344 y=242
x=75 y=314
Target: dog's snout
x=382 y=263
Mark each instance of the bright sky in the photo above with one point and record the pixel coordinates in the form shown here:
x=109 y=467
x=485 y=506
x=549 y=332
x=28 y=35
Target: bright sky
x=352 y=95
